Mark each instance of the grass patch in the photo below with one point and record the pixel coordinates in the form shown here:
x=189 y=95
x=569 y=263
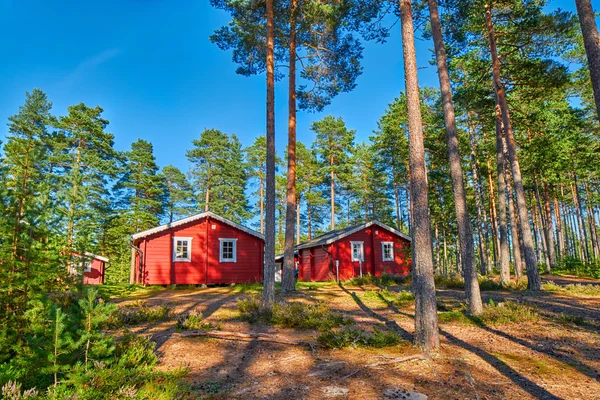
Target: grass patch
x=493 y=314
x=485 y=283
x=573 y=289
x=249 y=287
x=293 y=315
x=315 y=285
x=108 y=291
x=399 y=299
x=194 y=321
x=138 y=313
x=383 y=280
x=351 y=335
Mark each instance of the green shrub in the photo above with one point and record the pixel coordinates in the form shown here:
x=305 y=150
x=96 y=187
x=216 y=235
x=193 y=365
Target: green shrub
x=493 y=314
x=194 y=321
x=383 y=280
x=351 y=335
x=489 y=284
x=573 y=319
x=507 y=312
x=574 y=266
x=552 y=287
x=293 y=315
x=136 y=314
x=449 y=282
x=133 y=351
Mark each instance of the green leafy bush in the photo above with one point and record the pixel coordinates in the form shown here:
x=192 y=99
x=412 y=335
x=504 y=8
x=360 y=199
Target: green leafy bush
x=351 y=335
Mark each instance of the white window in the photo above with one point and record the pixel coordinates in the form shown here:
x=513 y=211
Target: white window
x=387 y=250
x=357 y=251
x=88 y=267
x=227 y=252
x=182 y=249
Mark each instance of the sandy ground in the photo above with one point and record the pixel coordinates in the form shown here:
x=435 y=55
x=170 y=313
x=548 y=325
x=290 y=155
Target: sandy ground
x=545 y=359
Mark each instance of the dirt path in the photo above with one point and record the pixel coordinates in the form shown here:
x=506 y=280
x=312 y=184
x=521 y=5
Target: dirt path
x=545 y=359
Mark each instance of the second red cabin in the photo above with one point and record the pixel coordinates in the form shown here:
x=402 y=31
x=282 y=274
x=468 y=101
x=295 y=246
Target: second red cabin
x=202 y=249
x=371 y=248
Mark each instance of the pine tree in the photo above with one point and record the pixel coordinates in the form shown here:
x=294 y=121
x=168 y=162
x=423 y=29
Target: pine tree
x=85 y=161
x=220 y=174
x=179 y=194
x=143 y=187
x=426 y=327
x=333 y=145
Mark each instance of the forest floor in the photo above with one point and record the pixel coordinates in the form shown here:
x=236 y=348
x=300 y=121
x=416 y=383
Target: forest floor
x=556 y=356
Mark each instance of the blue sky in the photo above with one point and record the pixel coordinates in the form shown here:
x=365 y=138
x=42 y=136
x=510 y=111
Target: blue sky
x=150 y=66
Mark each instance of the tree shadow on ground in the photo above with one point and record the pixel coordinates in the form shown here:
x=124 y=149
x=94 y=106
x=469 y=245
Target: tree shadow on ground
x=524 y=383
x=548 y=349
x=389 y=323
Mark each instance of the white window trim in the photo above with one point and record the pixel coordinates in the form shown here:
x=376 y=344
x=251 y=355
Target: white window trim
x=221 y=259
x=88 y=266
x=383 y=251
x=362 y=251
x=182 y=259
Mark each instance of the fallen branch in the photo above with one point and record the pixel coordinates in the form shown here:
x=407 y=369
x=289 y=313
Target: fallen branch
x=264 y=337
x=399 y=360
x=388 y=362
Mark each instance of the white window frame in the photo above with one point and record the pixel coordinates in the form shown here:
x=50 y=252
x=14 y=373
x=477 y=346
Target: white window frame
x=362 y=251
x=383 y=244
x=223 y=240
x=88 y=266
x=189 y=247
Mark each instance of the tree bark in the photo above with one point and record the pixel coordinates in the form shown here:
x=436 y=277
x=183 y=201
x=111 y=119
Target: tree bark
x=546 y=232
x=504 y=255
x=514 y=230
x=579 y=214
x=534 y=282
x=262 y=207
x=426 y=322
x=288 y=283
x=591 y=41
x=591 y=221
x=463 y=220
x=478 y=200
x=332 y=194
x=268 y=296
x=559 y=229
x=549 y=226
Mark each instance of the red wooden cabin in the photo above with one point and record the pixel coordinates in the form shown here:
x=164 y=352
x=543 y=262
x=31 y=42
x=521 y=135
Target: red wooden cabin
x=91 y=265
x=371 y=248
x=202 y=249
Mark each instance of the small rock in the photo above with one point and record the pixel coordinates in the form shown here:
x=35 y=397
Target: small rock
x=402 y=394
x=334 y=391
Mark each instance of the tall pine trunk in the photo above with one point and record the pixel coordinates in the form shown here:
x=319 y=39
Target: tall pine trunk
x=332 y=188
x=426 y=322
x=465 y=235
x=504 y=255
x=533 y=275
x=268 y=297
x=262 y=206
x=591 y=41
x=514 y=230
x=477 y=188
x=546 y=230
x=559 y=229
x=288 y=283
